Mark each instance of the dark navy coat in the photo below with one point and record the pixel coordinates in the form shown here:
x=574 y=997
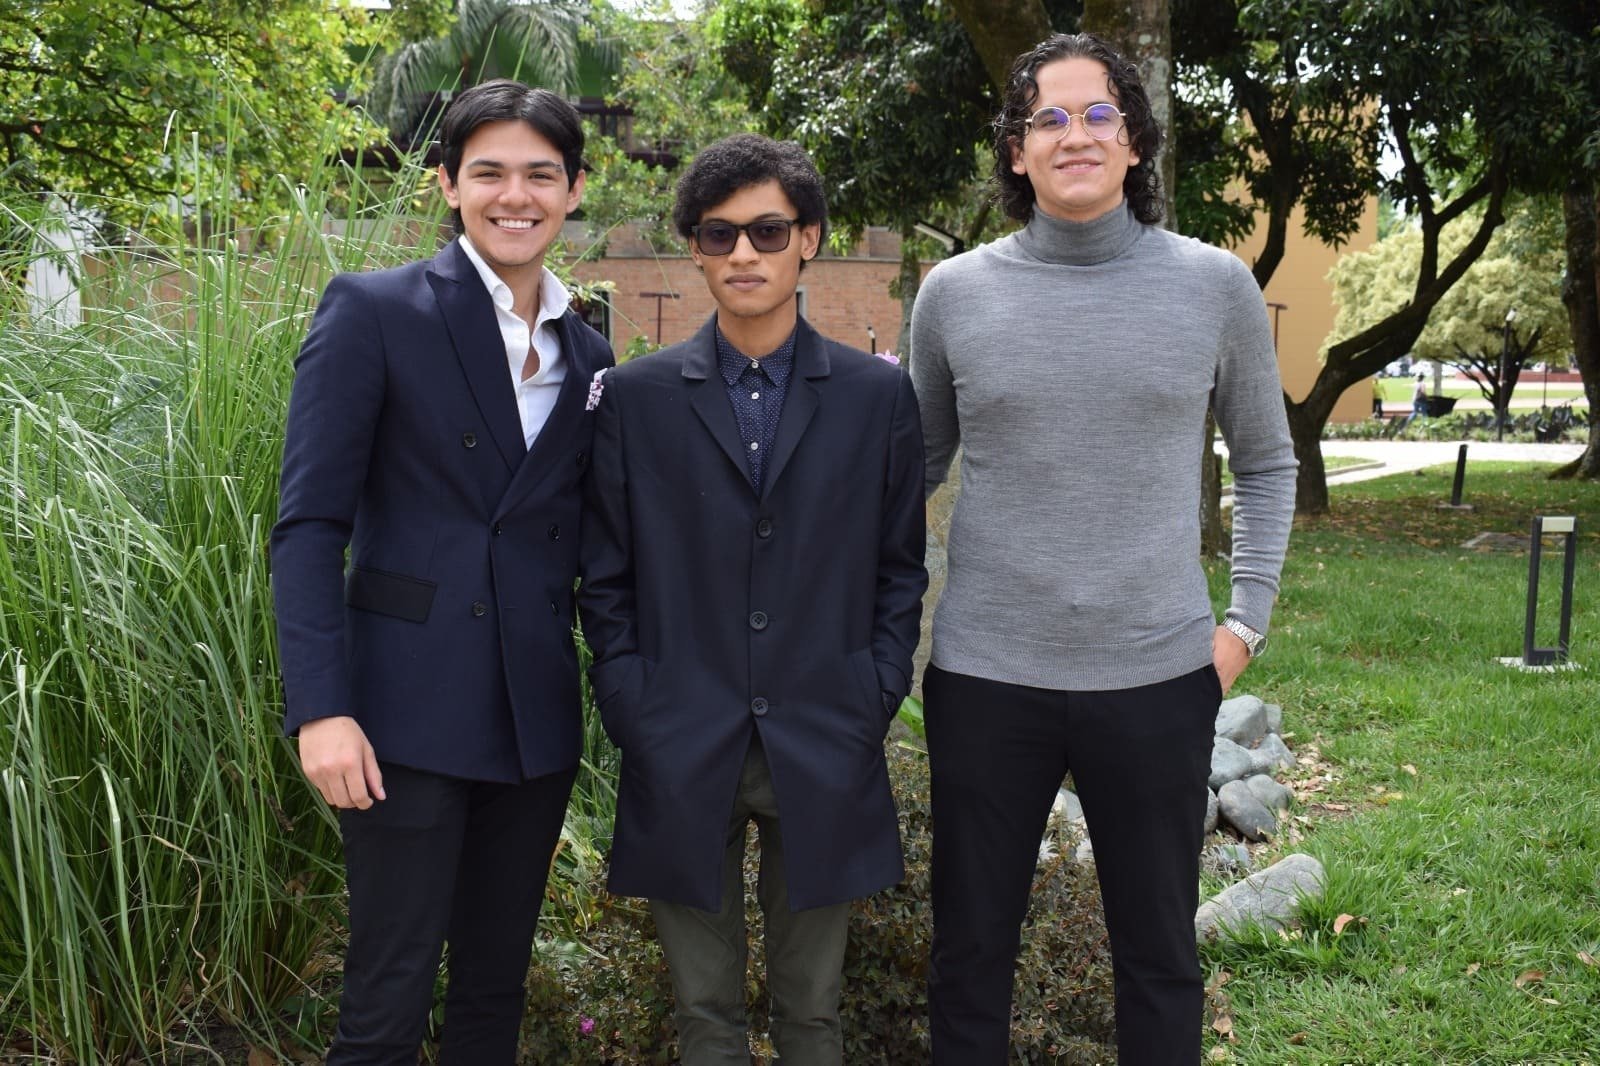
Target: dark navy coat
x=715 y=612
x=449 y=636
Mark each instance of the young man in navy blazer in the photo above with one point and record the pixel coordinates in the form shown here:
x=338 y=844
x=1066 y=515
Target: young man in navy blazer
x=438 y=430
x=753 y=579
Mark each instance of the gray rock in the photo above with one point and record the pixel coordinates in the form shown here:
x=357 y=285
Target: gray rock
x=1213 y=812
x=1274 y=718
x=1229 y=762
x=1242 y=720
x=1273 y=796
x=1268 y=898
x=1226 y=859
x=1270 y=755
x=1246 y=813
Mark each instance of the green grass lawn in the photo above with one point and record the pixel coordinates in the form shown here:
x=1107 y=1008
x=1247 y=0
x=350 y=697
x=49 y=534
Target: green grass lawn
x=1454 y=802
x=1529 y=392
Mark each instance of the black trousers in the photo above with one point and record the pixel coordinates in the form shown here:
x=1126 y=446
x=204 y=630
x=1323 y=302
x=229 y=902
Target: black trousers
x=1139 y=760
x=443 y=859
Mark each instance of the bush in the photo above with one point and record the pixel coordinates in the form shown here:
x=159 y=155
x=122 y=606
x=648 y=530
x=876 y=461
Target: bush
x=1062 y=1012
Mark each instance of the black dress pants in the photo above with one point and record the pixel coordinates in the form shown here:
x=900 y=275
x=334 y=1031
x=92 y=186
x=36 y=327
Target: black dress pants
x=1139 y=759
x=443 y=860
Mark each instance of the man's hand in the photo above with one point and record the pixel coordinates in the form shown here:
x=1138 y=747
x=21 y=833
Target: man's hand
x=1228 y=654
x=336 y=757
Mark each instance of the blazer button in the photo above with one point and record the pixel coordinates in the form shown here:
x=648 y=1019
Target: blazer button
x=479 y=609
x=498 y=529
x=583 y=459
x=554 y=531
x=758 y=620
x=764 y=528
x=758 y=706
x=469 y=440
x=553 y=608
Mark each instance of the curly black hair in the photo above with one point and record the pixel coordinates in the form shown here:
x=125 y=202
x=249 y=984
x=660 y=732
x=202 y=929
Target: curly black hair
x=504 y=100
x=1141 y=186
x=743 y=160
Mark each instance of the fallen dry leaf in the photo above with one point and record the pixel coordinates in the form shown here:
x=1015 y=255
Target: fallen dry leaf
x=1222 y=978
x=1528 y=977
x=1222 y=1024
x=1587 y=959
x=1298 y=1038
x=1473 y=967
x=1343 y=920
x=1408 y=768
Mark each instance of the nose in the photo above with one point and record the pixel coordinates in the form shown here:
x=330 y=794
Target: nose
x=743 y=250
x=1077 y=132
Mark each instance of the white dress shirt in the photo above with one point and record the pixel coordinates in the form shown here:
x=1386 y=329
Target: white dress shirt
x=536 y=397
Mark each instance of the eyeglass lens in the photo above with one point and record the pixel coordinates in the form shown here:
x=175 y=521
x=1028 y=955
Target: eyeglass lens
x=766 y=235
x=1100 y=121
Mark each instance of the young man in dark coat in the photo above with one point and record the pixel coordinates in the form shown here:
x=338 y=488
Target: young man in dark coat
x=438 y=429
x=752 y=588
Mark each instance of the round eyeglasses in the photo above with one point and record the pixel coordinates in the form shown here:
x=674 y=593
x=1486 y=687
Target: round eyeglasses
x=766 y=235
x=1100 y=121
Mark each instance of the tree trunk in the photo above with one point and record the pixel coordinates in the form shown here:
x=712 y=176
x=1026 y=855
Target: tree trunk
x=1001 y=30
x=1142 y=31
x=1580 y=291
x=907 y=283
x=1311 y=480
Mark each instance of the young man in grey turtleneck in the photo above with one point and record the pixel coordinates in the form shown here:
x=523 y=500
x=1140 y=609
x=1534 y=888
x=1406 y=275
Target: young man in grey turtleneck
x=1074 y=361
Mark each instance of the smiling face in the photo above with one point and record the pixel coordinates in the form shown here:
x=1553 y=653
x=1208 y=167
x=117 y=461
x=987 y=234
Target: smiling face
x=512 y=193
x=755 y=290
x=1076 y=178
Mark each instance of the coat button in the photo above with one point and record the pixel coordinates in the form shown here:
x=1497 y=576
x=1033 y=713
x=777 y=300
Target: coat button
x=498 y=529
x=480 y=609
x=554 y=531
x=553 y=608
x=758 y=620
x=764 y=528
x=758 y=706
x=469 y=440
x=583 y=459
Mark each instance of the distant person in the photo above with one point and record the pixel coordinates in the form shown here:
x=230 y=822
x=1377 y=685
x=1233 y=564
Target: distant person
x=1419 y=399
x=438 y=432
x=1074 y=361
x=753 y=580
x=1377 y=398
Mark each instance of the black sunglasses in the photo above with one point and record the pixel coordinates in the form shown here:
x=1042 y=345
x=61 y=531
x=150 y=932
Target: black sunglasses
x=766 y=235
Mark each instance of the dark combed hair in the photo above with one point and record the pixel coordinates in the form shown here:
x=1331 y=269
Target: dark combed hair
x=504 y=100
x=1141 y=186
x=743 y=160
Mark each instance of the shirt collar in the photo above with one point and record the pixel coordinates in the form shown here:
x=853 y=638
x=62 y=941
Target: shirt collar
x=553 y=296
x=777 y=365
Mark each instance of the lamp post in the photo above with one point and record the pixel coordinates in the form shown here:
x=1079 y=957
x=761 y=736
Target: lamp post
x=1505 y=361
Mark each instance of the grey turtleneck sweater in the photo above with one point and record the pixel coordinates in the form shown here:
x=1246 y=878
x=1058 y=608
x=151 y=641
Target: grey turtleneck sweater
x=1073 y=363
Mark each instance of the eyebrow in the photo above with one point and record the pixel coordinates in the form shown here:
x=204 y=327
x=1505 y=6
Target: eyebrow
x=534 y=164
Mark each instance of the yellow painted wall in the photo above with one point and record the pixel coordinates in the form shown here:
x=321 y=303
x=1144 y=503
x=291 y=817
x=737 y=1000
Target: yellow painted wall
x=1301 y=284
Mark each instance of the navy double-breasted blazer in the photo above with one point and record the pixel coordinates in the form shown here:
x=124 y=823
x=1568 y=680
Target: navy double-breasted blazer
x=714 y=611
x=449 y=635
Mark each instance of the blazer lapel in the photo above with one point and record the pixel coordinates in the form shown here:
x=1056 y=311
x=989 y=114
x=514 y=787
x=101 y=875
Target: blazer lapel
x=810 y=361
x=557 y=431
x=709 y=398
x=469 y=315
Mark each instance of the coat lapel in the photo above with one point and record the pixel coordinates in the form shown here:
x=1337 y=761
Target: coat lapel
x=469 y=315
x=709 y=397
x=810 y=362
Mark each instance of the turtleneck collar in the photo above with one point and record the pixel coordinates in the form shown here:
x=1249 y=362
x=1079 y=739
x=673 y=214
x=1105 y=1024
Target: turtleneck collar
x=1054 y=240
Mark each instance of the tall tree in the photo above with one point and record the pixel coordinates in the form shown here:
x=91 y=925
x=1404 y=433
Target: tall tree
x=1580 y=291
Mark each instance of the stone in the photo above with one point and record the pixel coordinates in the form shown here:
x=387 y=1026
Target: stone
x=1245 y=813
x=1269 y=898
x=1242 y=720
x=1274 y=718
x=1213 y=812
x=1273 y=796
x=1226 y=859
x=1270 y=755
x=1229 y=762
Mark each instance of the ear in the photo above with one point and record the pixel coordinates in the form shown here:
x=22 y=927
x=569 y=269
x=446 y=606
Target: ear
x=1017 y=166
x=575 y=193
x=452 y=195
x=810 y=240
x=694 y=253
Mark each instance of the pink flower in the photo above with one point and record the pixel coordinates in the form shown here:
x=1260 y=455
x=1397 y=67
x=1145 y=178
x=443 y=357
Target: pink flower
x=586 y=1026
x=597 y=388
x=888 y=357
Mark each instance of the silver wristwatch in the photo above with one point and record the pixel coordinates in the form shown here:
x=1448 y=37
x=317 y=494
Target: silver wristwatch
x=1255 y=642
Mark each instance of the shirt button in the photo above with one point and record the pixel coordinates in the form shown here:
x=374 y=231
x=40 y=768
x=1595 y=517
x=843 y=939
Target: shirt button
x=479 y=609
x=554 y=531
x=754 y=365
x=764 y=528
x=755 y=445
x=758 y=706
x=469 y=440
x=758 y=620
x=755 y=396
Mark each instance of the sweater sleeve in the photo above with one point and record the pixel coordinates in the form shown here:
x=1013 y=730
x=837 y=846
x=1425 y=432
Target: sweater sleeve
x=1249 y=406
x=930 y=376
